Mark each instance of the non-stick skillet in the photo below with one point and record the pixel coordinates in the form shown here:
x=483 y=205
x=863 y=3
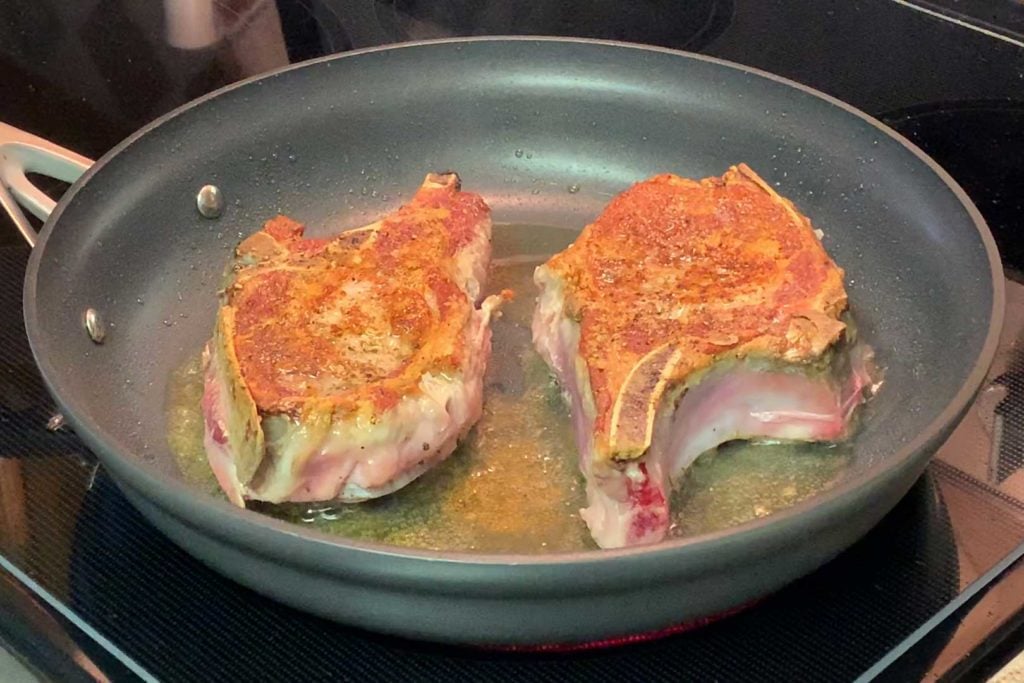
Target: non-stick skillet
x=326 y=140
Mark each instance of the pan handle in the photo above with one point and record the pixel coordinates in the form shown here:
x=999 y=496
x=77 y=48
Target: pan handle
x=22 y=153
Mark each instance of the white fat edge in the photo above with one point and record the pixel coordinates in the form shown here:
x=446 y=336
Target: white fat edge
x=415 y=419
x=606 y=517
x=472 y=260
x=566 y=335
x=582 y=373
x=557 y=335
x=552 y=330
x=609 y=513
x=220 y=459
x=545 y=314
x=222 y=452
x=289 y=444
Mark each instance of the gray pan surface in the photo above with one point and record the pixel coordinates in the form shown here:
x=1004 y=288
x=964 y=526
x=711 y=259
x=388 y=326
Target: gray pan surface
x=337 y=142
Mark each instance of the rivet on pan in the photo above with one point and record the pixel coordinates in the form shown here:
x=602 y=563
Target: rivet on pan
x=94 y=325
x=55 y=422
x=210 y=201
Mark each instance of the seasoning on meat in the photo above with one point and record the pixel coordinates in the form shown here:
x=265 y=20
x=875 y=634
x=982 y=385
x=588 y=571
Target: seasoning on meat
x=688 y=314
x=343 y=368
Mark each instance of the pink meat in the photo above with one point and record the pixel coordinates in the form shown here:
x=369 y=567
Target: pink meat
x=350 y=471
x=628 y=503
x=215 y=439
x=629 y=506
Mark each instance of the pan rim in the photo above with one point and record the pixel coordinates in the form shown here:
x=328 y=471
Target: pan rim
x=171 y=494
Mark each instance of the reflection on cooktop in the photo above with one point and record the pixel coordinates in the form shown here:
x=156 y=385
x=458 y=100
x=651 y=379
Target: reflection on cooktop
x=1005 y=17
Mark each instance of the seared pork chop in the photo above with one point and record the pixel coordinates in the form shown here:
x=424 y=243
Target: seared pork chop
x=688 y=314
x=343 y=368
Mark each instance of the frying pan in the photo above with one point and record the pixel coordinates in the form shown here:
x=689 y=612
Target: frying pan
x=338 y=141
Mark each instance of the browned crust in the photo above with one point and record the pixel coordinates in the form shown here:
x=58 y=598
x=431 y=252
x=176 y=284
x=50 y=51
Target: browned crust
x=678 y=273
x=354 y=321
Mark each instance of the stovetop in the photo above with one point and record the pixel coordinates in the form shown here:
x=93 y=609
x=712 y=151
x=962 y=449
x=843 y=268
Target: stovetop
x=89 y=589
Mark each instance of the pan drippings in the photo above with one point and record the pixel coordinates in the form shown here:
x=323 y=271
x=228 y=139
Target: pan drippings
x=514 y=485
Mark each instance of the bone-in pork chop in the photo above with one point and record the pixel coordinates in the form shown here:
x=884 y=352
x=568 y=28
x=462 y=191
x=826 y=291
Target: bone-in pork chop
x=688 y=314
x=343 y=368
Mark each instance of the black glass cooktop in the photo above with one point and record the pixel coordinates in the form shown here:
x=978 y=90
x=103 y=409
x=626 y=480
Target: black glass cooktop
x=89 y=590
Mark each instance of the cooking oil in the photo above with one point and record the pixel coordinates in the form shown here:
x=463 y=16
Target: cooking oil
x=513 y=486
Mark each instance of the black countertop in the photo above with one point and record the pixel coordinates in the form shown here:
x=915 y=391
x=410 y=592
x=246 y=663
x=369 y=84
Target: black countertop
x=949 y=75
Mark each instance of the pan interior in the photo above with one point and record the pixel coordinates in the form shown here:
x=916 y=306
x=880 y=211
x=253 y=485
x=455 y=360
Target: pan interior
x=547 y=132
x=513 y=485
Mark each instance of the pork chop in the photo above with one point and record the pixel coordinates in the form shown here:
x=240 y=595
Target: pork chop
x=688 y=314
x=343 y=368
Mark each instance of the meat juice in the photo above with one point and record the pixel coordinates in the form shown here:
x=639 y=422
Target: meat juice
x=513 y=486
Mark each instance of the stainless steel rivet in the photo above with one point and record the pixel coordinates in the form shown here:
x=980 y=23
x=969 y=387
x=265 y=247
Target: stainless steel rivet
x=94 y=325
x=210 y=201
x=55 y=422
